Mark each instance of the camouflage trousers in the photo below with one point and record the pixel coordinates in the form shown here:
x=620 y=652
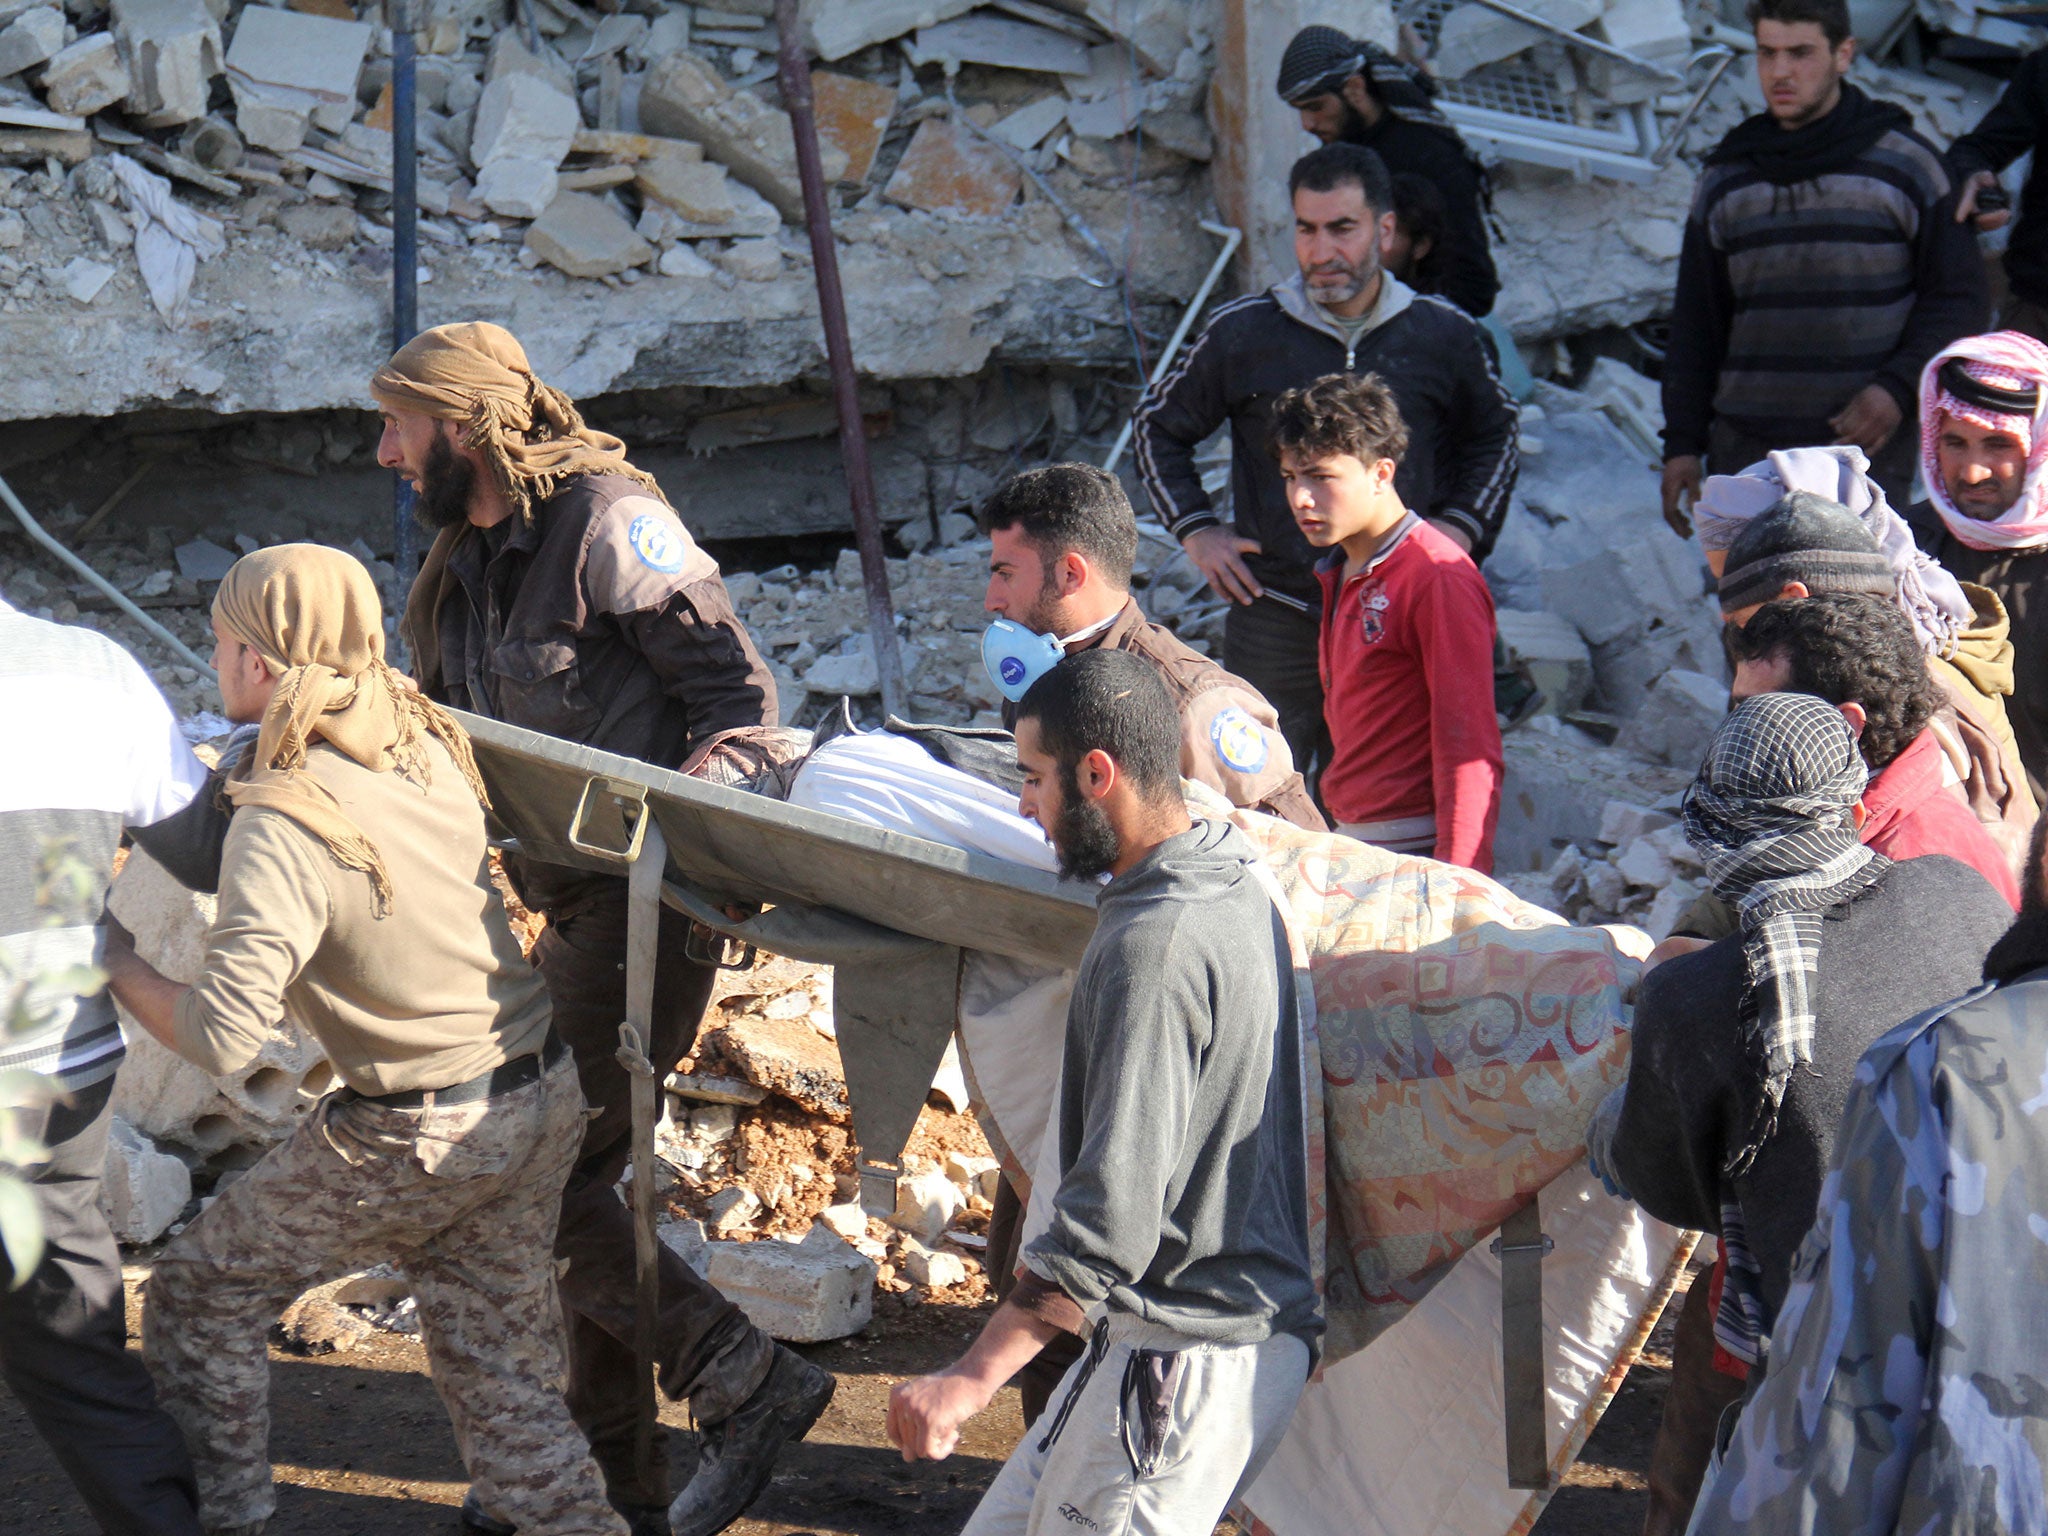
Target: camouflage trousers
x=463 y=1199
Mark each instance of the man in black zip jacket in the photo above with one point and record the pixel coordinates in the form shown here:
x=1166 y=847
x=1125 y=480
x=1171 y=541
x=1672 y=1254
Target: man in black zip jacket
x=1342 y=313
x=2016 y=124
x=1354 y=92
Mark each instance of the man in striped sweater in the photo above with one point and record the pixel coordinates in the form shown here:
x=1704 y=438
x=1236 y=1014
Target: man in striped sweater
x=1822 y=267
x=97 y=752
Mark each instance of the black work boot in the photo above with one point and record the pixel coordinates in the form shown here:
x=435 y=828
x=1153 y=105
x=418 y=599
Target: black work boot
x=736 y=1456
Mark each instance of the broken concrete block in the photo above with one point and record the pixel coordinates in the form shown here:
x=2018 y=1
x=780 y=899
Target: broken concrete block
x=946 y=171
x=1622 y=822
x=172 y=50
x=522 y=117
x=836 y=28
x=731 y=1209
x=143 y=1187
x=317 y=59
x=1549 y=652
x=755 y=261
x=926 y=1204
x=204 y=560
x=974 y=1175
x=317 y=1324
x=269 y=118
x=586 y=236
x=852 y=117
x=83 y=278
x=1642 y=863
x=1028 y=126
x=698 y=190
x=685 y=98
x=1654 y=31
x=380 y=1288
x=784 y=1056
x=1677 y=720
x=517 y=189
x=852 y=674
x=1472 y=35
x=320 y=226
x=1005 y=43
x=632 y=146
x=936 y=1270
x=1156 y=30
x=1110 y=117
x=31 y=38
x=680 y=261
x=1185 y=133
x=509 y=55
x=799 y=1293
x=86 y=77
x=849 y=1221
x=685 y=1238
x=161 y=1093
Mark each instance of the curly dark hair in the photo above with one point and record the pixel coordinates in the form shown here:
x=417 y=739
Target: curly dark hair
x=1831 y=16
x=1850 y=648
x=1338 y=414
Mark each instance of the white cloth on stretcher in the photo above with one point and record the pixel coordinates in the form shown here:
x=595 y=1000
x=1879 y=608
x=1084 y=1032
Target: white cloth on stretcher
x=1401 y=1439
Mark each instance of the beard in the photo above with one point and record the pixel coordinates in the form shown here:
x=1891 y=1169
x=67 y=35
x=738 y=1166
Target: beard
x=1332 y=285
x=1082 y=838
x=1356 y=129
x=446 y=485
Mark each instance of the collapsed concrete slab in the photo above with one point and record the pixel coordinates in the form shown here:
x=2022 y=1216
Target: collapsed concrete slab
x=172 y=49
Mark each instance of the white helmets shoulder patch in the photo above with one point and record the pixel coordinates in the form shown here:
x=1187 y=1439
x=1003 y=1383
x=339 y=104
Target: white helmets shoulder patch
x=659 y=545
x=1239 y=740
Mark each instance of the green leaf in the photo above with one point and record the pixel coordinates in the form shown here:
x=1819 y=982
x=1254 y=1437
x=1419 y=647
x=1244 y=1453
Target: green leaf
x=21 y=1229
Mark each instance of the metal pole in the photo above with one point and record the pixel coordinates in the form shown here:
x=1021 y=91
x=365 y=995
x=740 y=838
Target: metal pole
x=405 y=269
x=1232 y=238
x=853 y=440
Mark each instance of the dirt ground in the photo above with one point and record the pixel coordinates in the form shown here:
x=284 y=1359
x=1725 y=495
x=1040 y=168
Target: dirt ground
x=362 y=1448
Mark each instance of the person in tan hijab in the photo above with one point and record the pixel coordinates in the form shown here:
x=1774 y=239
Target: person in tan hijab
x=563 y=594
x=356 y=899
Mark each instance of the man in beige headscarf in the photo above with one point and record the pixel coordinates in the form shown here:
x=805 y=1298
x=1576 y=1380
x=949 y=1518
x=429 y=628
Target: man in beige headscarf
x=356 y=899
x=563 y=594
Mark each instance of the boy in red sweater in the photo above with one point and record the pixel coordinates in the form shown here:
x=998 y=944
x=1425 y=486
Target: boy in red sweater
x=1407 y=634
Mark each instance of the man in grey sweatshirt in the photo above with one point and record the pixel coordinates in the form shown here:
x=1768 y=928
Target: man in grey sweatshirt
x=1180 y=1226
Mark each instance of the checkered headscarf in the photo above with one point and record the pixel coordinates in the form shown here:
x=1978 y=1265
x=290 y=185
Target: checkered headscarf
x=1772 y=817
x=1998 y=382
x=1320 y=59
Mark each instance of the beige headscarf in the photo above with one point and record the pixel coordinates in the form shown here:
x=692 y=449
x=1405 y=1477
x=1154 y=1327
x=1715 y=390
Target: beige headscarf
x=312 y=614
x=530 y=433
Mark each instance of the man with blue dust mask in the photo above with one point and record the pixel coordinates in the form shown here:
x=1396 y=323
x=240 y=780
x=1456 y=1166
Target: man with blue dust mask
x=1063 y=540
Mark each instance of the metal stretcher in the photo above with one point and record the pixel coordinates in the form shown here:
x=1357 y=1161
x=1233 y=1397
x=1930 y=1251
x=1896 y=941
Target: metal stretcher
x=889 y=913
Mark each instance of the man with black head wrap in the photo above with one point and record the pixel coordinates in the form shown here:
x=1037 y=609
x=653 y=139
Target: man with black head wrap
x=1742 y=1053
x=1357 y=93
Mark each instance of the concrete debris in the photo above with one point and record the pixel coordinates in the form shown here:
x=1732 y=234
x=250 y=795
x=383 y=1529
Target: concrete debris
x=800 y=1293
x=852 y=117
x=926 y=1204
x=30 y=39
x=686 y=99
x=84 y=278
x=522 y=117
x=733 y=1208
x=172 y=49
x=1547 y=650
x=586 y=236
x=946 y=170
x=783 y=1056
x=848 y=1221
x=710 y=1088
x=1471 y=35
x=1031 y=124
x=696 y=189
x=288 y=69
x=204 y=560
x=1677 y=719
x=975 y=1175
x=86 y=77
x=318 y=1324
x=985 y=38
x=936 y=1270
x=836 y=28
x=143 y=1188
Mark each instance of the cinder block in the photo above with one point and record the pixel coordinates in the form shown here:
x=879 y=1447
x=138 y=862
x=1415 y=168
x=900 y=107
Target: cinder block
x=801 y=1293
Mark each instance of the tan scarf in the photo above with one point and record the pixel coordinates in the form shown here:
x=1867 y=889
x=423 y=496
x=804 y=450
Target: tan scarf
x=312 y=614
x=530 y=433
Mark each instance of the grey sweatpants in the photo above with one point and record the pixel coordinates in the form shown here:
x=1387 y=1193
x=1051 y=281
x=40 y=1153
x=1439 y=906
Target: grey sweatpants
x=1094 y=1464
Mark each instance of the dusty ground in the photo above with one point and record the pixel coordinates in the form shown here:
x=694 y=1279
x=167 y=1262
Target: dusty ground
x=362 y=1447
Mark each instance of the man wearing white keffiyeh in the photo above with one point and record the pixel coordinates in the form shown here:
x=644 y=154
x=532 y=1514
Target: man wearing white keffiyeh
x=1743 y=1053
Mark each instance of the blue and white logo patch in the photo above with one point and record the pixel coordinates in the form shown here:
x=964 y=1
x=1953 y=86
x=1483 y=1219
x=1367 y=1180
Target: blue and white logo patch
x=656 y=543
x=1239 y=740
x=1012 y=670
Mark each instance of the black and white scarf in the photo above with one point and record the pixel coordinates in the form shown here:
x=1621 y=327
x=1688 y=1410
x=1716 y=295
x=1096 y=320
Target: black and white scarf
x=1772 y=816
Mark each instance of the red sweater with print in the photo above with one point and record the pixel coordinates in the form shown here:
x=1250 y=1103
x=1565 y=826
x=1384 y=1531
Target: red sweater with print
x=1407 y=668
